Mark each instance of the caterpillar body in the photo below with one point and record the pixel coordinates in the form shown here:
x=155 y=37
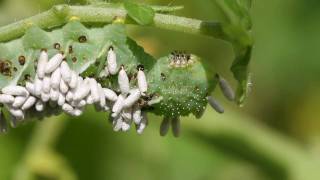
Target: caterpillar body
x=68 y=68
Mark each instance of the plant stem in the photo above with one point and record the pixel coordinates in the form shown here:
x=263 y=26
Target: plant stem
x=60 y=14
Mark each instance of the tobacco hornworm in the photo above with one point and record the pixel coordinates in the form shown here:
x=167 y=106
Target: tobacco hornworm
x=74 y=66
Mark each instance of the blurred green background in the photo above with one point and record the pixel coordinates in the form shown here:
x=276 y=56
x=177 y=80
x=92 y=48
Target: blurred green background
x=276 y=135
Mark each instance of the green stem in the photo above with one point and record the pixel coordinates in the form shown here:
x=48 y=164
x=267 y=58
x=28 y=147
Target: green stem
x=60 y=14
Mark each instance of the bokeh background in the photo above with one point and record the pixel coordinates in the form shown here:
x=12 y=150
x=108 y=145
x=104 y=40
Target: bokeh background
x=276 y=135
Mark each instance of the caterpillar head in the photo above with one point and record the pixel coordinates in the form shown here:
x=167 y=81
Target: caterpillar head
x=182 y=83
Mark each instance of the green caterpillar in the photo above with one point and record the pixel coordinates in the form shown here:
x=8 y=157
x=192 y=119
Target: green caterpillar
x=178 y=84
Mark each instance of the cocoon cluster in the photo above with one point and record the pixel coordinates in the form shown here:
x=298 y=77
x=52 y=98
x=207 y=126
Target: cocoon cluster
x=57 y=84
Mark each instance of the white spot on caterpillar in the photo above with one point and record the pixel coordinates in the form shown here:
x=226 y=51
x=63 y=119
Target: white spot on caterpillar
x=110 y=95
x=39 y=105
x=43 y=60
x=63 y=87
x=132 y=98
x=112 y=61
x=15 y=90
x=215 y=104
x=55 y=79
x=54 y=63
x=123 y=81
x=175 y=123
x=6 y=99
x=164 y=127
x=18 y=101
x=118 y=105
x=46 y=84
x=66 y=72
x=28 y=103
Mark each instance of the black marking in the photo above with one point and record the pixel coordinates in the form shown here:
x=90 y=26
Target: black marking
x=56 y=46
x=27 y=77
x=5 y=67
x=15 y=69
x=163 y=77
x=44 y=49
x=70 y=49
x=140 y=67
x=111 y=48
x=74 y=59
x=82 y=39
x=22 y=60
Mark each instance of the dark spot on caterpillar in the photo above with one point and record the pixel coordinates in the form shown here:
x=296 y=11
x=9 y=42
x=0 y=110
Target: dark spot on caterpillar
x=44 y=49
x=64 y=59
x=91 y=75
x=188 y=57
x=56 y=46
x=15 y=69
x=22 y=60
x=82 y=39
x=27 y=77
x=5 y=67
x=19 y=84
x=74 y=59
x=163 y=77
x=97 y=63
x=140 y=67
x=70 y=49
x=111 y=48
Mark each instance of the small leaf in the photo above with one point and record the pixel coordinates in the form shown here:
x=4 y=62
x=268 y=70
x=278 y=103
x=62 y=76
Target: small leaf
x=140 y=13
x=237 y=30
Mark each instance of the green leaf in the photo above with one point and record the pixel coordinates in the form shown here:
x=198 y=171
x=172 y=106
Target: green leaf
x=142 y=14
x=237 y=30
